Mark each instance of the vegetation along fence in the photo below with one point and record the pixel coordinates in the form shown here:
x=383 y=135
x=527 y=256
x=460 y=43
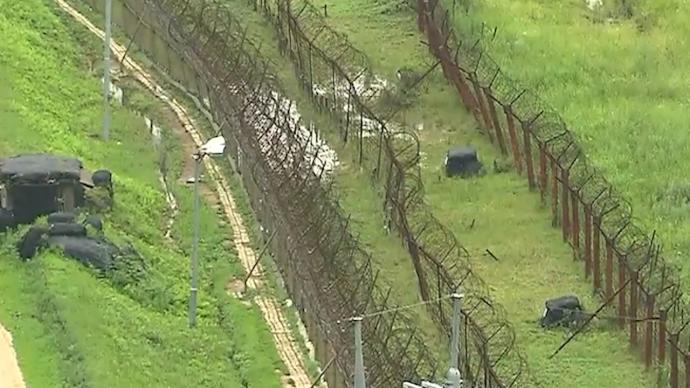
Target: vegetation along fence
x=622 y=261
x=338 y=79
x=326 y=271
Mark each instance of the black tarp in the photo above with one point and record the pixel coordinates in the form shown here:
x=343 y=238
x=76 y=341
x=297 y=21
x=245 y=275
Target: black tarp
x=564 y=310
x=87 y=250
x=39 y=168
x=462 y=161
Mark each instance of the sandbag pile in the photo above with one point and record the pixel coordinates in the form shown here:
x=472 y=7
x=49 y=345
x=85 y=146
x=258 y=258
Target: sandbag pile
x=72 y=238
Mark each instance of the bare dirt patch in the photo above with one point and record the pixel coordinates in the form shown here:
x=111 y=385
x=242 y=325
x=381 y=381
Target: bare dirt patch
x=10 y=374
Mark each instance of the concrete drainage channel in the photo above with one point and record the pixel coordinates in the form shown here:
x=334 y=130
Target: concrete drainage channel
x=275 y=318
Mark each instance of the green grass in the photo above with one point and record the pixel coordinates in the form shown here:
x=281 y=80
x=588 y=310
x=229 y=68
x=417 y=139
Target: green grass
x=627 y=97
x=533 y=262
x=72 y=328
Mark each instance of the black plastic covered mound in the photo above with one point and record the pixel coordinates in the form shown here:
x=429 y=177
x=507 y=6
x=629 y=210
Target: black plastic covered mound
x=60 y=217
x=39 y=168
x=67 y=229
x=462 y=161
x=7 y=220
x=73 y=240
x=31 y=241
x=564 y=310
x=87 y=250
x=102 y=178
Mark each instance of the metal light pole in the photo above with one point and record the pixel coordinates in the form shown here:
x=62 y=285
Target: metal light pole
x=359 y=356
x=106 y=69
x=215 y=146
x=195 y=242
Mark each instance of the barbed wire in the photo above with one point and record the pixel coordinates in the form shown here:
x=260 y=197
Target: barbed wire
x=392 y=154
x=322 y=261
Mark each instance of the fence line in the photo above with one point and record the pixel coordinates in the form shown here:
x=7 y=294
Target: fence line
x=610 y=243
x=337 y=78
x=326 y=271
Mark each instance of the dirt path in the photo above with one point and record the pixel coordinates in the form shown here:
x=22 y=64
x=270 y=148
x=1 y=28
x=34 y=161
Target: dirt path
x=286 y=345
x=10 y=375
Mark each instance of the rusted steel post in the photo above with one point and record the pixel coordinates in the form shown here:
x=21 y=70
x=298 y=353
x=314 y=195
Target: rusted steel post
x=420 y=15
x=687 y=371
x=494 y=119
x=596 y=252
x=565 y=204
x=609 y=269
x=576 y=225
x=529 y=162
x=621 y=294
x=517 y=156
x=634 y=303
x=588 y=241
x=543 y=173
x=674 y=360
x=554 y=193
x=661 y=342
x=479 y=96
x=649 y=332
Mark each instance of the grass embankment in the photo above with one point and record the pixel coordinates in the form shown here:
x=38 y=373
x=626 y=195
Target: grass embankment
x=70 y=327
x=533 y=264
x=627 y=97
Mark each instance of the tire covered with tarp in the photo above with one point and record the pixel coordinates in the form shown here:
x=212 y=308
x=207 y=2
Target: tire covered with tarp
x=7 y=220
x=61 y=217
x=67 y=229
x=31 y=241
x=94 y=252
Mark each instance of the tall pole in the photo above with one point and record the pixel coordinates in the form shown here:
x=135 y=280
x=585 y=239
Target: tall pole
x=106 y=69
x=195 y=242
x=453 y=377
x=359 y=356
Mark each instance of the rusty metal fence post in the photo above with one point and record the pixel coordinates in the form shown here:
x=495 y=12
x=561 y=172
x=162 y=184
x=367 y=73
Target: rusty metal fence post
x=494 y=119
x=543 y=173
x=575 y=224
x=621 y=295
x=565 y=204
x=674 y=360
x=634 y=303
x=529 y=161
x=588 y=241
x=649 y=332
x=596 y=253
x=515 y=147
x=608 y=291
x=661 y=341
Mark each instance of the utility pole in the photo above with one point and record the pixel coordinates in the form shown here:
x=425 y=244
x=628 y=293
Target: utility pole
x=359 y=356
x=453 y=377
x=106 y=69
x=195 y=242
x=213 y=147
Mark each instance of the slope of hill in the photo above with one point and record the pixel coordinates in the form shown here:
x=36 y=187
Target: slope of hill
x=70 y=327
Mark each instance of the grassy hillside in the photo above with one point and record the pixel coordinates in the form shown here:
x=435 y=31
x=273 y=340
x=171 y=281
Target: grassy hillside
x=72 y=328
x=533 y=264
x=627 y=94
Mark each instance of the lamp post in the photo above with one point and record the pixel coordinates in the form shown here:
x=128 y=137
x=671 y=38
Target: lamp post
x=215 y=146
x=106 y=69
